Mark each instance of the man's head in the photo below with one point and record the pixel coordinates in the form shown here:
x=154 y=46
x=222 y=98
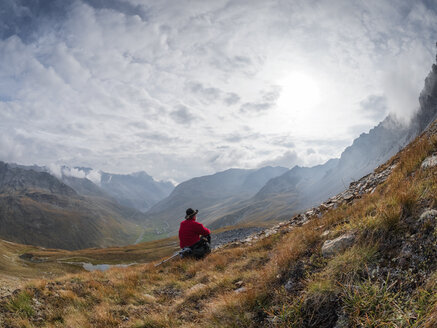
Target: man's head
x=190 y=213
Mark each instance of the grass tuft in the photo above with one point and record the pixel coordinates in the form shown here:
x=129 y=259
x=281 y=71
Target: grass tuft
x=22 y=304
x=372 y=304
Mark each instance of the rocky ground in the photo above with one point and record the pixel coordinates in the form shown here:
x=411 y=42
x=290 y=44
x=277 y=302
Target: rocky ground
x=8 y=284
x=235 y=235
x=356 y=190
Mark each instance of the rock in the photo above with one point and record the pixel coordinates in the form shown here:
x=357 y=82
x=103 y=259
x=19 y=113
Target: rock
x=36 y=302
x=289 y=286
x=325 y=233
x=239 y=283
x=240 y=290
x=430 y=161
x=196 y=288
x=309 y=213
x=428 y=215
x=348 y=196
x=342 y=322
x=332 y=247
x=406 y=251
x=295 y=276
x=149 y=298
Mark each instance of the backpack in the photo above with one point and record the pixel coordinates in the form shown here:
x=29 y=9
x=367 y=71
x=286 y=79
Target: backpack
x=199 y=249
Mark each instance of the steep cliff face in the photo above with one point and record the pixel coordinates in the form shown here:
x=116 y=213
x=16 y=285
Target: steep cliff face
x=428 y=102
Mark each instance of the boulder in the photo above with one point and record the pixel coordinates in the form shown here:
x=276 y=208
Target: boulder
x=196 y=288
x=325 y=233
x=239 y=284
x=289 y=286
x=428 y=215
x=240 y=290
x=430 y=161
x=295 y=276
x=332 y=247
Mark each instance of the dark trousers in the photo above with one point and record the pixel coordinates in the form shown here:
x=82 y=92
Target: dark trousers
x=199 y=249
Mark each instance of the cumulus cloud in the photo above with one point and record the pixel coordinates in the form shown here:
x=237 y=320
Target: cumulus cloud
x=266 y=102
x=114 y=84
x=95 y=176
x=182 y=115
x=231 y=99
x=61 y=171
x=212 y=94
x=73 y=172
x=55 y=170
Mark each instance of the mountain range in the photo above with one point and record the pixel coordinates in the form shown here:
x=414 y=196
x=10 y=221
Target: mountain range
x=36 y=208
x=80 y=207
x=299 y=188
x=137 y=190
x=210 y=194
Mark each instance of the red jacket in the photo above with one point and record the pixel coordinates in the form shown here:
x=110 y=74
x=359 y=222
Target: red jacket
x=190 y=232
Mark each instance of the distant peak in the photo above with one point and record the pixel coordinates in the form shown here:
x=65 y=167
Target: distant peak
x=140 y=174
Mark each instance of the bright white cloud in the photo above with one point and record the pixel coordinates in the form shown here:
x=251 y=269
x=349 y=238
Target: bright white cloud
x=95 y=176
x=180 y=89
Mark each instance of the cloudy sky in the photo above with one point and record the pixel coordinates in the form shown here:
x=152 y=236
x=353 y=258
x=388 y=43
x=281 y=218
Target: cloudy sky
x=186 y=88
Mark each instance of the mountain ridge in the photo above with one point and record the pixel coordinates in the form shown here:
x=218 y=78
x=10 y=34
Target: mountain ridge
x=209 y=193
x=137 y=190
x=36 y=208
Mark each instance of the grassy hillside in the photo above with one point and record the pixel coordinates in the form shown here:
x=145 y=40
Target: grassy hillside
x=68 y=222
x=38 y=209
x=386 y=276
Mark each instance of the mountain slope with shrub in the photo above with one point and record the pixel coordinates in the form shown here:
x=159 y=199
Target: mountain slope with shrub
x=136 y=190
x=370 y=261
x=38 y=209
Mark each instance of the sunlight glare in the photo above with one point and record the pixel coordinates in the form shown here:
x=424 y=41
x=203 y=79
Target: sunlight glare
x=299 y=93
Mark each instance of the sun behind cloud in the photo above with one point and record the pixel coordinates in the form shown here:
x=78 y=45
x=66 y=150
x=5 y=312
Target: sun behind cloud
x=300 y=92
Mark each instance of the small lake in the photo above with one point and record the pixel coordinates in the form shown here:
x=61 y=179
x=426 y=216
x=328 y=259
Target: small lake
x=103 y=267
x=100 y=267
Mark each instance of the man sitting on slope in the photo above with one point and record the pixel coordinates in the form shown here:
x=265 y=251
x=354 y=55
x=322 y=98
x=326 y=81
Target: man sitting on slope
x=194 y=235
